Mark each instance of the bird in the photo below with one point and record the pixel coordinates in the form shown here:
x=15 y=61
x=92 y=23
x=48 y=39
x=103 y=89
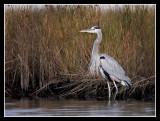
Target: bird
x=106 y=65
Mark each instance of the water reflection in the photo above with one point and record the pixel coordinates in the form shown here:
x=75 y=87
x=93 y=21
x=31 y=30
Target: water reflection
x=48 y=107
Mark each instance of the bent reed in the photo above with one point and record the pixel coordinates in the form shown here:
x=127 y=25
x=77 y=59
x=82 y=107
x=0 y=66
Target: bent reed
x=46 y=56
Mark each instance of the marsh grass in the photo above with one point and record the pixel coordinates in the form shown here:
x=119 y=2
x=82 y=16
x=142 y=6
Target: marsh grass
x=45 y=55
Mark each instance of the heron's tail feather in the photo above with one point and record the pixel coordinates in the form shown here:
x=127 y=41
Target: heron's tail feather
x=126 y=83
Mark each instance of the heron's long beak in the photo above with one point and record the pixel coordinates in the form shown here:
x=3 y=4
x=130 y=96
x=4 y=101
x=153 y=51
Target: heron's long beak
x=86 y=30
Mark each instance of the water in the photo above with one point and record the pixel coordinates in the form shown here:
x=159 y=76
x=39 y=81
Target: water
x=49 y=107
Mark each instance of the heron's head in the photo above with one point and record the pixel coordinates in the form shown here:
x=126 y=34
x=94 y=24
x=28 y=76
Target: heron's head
x=94 y=29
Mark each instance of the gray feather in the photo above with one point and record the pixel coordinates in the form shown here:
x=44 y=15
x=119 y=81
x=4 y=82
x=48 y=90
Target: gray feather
x=111 y=66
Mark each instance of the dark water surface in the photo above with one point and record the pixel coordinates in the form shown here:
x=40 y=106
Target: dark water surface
x=49 y=107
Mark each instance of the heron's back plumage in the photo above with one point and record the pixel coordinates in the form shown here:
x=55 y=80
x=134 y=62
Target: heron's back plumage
x=111 y=66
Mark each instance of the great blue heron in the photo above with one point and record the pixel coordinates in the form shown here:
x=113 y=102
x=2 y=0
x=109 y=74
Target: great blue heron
x=108 y=67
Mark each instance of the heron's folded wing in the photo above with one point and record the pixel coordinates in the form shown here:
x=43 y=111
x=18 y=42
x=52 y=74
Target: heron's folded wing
x=111 y=66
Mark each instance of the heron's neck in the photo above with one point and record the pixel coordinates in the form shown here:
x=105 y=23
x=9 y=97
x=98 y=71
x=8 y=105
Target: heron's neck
x=94 y=63
x=95 y=50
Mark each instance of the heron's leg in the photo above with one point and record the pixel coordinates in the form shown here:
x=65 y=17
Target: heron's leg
x=116 y=88
x=109 y=90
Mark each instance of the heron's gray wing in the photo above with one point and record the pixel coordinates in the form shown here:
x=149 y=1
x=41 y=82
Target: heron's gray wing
x=111 y=66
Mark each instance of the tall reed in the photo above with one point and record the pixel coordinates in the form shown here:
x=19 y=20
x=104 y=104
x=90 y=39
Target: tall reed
x=44 y=51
